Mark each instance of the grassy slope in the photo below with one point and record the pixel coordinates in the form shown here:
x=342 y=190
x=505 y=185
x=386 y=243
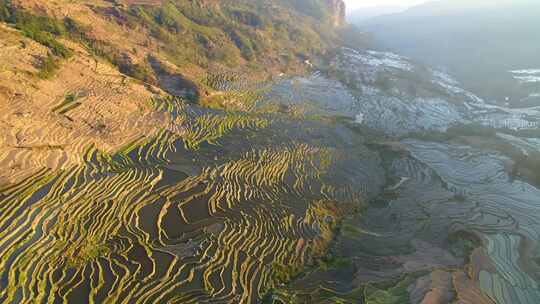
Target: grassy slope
x=191 y=38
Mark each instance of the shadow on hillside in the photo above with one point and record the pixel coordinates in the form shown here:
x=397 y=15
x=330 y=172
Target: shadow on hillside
x=174 y=83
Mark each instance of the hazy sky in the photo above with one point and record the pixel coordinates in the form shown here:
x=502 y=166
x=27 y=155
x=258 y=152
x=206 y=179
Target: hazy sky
x=356 y=4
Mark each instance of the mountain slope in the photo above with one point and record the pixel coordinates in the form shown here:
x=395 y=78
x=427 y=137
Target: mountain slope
x=76 y=74
x=191 y=35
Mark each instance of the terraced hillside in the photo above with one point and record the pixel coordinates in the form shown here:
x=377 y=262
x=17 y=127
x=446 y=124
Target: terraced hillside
x=222 y=210
x=80 y=73
x=51 y=122
x=138 y=165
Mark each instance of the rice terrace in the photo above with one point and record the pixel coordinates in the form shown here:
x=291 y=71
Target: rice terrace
x=266 y=151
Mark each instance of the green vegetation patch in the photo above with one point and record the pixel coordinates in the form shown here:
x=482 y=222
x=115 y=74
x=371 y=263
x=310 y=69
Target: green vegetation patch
x=397 y=294
x=48 y=67
x=70 y=102
x=286 y=273
x=41 y=29
x=327 y=263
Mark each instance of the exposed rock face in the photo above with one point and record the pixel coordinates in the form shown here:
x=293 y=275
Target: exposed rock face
x=337 y=10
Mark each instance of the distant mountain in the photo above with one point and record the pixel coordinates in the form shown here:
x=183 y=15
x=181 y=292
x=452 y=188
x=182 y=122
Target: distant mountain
x=478 y=41
x=363 y=14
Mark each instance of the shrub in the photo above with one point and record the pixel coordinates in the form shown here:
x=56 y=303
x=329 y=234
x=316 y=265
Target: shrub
x=41 y=29
x=242 y=43
x=285 y=273
x=49 y=41
x=48 y=67
x=75 y=30
x=5 y=11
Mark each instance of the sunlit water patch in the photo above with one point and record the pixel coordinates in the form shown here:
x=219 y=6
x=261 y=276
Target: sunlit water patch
x=527 y=75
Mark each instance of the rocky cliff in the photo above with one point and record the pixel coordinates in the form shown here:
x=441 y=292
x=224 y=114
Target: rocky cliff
x=337 y=9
